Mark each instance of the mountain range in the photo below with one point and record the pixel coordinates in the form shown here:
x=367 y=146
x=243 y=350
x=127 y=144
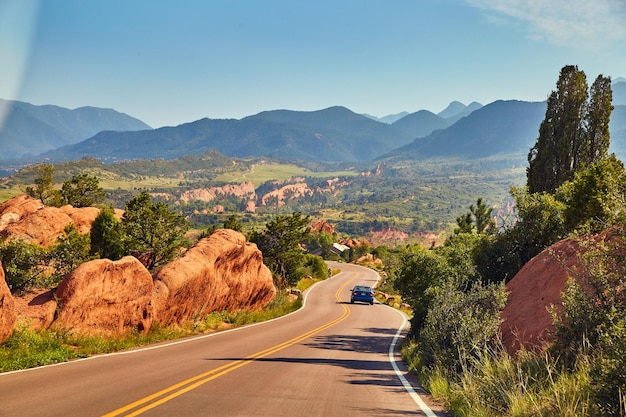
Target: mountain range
x=27 y=129
x=335 y=134
x=332 y=134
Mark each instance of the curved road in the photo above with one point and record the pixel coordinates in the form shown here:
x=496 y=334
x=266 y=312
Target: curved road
x=330 y=358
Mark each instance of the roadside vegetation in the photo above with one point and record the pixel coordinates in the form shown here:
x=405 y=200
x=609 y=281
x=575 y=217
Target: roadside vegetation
x=574 y=189
x=28 y=348
x=153 y=233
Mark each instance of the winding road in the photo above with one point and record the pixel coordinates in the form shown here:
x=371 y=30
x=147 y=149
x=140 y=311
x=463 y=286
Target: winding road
x=330 y=358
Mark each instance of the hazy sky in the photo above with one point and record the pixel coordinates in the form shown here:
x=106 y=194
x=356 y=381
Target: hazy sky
x=171 y=62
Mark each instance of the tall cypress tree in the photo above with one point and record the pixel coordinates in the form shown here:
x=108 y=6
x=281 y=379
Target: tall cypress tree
x=598 y=118
x=574 y=132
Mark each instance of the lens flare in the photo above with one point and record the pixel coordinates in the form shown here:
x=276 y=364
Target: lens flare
x=18 y=20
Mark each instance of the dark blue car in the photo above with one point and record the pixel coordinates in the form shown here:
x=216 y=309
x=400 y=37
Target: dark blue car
x=362 y=293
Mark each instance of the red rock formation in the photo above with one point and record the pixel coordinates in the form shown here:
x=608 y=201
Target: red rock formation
x=536 y=287
x=103 y=297
x=221 y=272
x=320 y=225
x=7 y=309
x=25 y=218
x=243 y=190
x=106 y=298
x=388 y=235
x=14 y=209
x=250 y=207
x=287 y=192
x=36 y=308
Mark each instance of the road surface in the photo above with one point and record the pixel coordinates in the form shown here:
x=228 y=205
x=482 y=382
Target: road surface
x=331 y=358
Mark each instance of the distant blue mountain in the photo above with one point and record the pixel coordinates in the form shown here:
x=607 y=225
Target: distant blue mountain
x=30 y=130
x=333 y=134
x=456 y=110
x=502 y=127
x=389 y=119
x=619 y=92
x=338 y=134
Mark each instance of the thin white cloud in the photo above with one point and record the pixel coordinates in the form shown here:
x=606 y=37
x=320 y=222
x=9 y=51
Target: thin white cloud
x=563 y=22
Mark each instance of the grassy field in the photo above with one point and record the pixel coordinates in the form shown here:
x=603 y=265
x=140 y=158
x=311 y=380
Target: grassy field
x=261 y=173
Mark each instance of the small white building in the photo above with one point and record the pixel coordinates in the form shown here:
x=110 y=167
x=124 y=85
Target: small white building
x=338 y=248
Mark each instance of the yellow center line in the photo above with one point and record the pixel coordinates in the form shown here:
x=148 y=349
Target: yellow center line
x=198 y=380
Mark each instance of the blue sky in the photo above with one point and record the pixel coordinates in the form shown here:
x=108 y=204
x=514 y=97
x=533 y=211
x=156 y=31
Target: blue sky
x=171 y=62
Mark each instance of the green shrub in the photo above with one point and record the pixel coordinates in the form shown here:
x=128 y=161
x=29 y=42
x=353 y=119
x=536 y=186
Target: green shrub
x=460 y=324
x=23 y=264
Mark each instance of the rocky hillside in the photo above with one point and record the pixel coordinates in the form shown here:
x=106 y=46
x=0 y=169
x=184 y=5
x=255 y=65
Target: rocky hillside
x=221 y=272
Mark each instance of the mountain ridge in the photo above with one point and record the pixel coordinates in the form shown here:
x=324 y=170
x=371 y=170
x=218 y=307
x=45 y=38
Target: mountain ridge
x=333 y=134
x=28 y=129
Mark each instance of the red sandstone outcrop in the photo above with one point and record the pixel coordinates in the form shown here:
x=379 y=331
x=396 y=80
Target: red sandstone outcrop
x=36 y=308
x=243 y=190
x=7 y=309
x=287 y=192
x=221 y=272
x=13 y=210
x=106 y=298
x=387 y=235
x=536 y=287
x=369 y=260
x=26 y=218
x=321 y=226
x=250 y=207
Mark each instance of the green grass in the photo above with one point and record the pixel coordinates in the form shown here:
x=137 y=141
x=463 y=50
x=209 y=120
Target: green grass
x=261 y=173
x=496 y=384
x=8 y=193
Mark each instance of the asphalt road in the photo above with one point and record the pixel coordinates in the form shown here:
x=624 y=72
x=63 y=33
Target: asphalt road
x=331 y=358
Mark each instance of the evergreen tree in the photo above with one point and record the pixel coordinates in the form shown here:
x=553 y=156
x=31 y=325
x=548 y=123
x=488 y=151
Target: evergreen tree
x=233 y=224
x=482 y=217
x=478 y=218
x=280 y=245
x=598 y=117
x=82 y=191
x=71 y=250
x=574 y=132
x=44 y=186
x=106 y=237
x=556 y=153
x=154 y=234
x=464 y=224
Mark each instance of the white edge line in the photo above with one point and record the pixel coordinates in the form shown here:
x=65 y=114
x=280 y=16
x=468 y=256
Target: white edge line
x=167 y=344
x=392 y=358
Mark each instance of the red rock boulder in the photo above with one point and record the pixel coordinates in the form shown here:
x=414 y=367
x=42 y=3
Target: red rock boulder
x=221 y=272
x=106 y=298
x=26 y=218
x=16 y=208
x=533 y=290
x=7 y=309
x=36 y=308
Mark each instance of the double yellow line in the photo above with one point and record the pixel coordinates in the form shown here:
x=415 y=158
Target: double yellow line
x=167 y=394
